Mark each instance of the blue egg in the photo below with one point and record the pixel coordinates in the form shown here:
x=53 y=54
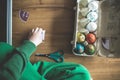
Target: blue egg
x=79 y=48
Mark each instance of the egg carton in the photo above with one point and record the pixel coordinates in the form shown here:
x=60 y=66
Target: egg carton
x=86 y=19
x=96 y=17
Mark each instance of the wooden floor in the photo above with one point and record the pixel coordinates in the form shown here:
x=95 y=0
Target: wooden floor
x=57 y=18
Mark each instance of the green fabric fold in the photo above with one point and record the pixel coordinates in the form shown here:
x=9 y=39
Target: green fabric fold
x=55 y=71
x=5 y=50
x=27 y=48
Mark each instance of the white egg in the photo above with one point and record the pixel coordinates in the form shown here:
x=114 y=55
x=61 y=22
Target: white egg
x=92 y=16
x=91 y=27
x=93 y=6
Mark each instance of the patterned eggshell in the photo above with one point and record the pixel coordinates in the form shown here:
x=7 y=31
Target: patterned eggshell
x=79 y=48
x=92 y=16
x=90 y=49
x=93 y=6
x=80 y=37
x=91 y=38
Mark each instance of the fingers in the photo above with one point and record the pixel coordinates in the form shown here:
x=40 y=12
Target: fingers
x=40 y=31
x=36 y=30
x=38 y=35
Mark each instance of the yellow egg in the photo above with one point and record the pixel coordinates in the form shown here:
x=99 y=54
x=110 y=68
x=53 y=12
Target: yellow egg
x=80 y=37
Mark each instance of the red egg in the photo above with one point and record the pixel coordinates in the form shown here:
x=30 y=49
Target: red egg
x=91 y=38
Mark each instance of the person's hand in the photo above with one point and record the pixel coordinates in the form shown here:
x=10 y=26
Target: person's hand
x=37 y=36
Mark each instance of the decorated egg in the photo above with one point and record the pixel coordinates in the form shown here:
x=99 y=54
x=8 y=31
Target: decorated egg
x=80 y=37
x=79 y=48
x=93 y=6
x=90 y=49
x=92 y=16
x=91 y=27
x=91 y=38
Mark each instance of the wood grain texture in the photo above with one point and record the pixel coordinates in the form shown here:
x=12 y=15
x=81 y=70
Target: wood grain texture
x=57 y=18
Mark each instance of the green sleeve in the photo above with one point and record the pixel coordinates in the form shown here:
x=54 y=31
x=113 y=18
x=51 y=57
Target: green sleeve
x=13 y=68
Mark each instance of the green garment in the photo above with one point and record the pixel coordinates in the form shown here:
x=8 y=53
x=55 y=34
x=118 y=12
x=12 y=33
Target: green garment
x=15 y=65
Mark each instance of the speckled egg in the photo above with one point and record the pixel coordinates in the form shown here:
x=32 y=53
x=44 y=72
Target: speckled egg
x=91 y=38
x=93 y=6
x=80 y=37
x=79 y=48
x=90 y=49
x=92 y=16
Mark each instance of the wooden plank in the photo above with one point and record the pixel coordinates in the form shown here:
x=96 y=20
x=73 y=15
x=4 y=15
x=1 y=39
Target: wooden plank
x=43 y=3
